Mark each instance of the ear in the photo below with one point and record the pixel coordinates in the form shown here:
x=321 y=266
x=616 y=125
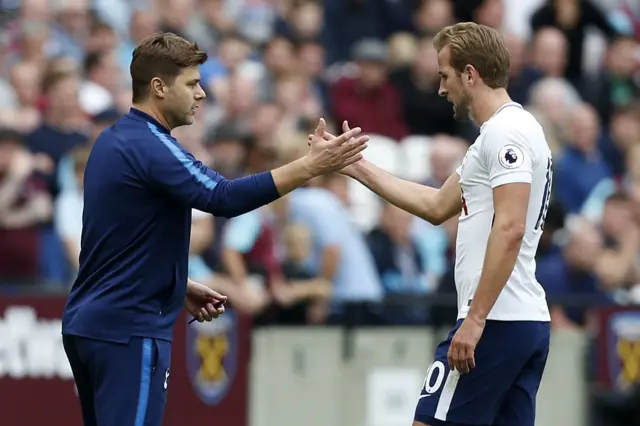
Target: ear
x=469 y=75
x=158 y=88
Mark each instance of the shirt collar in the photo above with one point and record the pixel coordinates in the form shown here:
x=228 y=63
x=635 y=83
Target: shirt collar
x=508 y=104
x=137 y=114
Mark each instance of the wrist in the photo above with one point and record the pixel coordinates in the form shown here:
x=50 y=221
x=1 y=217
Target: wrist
x=477 y=318
x=308 y=169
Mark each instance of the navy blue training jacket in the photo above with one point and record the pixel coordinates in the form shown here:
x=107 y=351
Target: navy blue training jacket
x=140 y=186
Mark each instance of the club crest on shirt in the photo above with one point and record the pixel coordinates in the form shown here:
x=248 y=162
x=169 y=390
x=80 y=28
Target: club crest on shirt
x=212 y=357
x=510 y=157
x=624 y=348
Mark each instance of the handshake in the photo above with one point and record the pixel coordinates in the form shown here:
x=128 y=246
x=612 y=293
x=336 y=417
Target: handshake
x=329 y=153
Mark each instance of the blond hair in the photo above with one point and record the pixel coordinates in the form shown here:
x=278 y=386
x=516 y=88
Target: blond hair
x=479 y=46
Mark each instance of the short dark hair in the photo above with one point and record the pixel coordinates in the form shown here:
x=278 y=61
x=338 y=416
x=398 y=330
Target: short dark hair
x=162 y=55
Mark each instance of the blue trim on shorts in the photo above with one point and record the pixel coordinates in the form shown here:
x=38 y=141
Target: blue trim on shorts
x=145 y=382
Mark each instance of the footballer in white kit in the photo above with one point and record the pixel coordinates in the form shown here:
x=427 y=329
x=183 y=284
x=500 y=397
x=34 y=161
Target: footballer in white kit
x=488 y=370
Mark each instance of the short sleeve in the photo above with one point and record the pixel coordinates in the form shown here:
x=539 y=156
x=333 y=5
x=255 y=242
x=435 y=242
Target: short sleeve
x=508 y=156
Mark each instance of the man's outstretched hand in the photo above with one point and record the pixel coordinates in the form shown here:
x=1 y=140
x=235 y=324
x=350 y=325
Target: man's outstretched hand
x=350 y=168
x=328 y=153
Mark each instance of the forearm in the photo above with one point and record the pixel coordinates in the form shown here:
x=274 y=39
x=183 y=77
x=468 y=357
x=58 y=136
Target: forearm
x=291 y=176
x=235 y=197
x=239 y=196
x=502 y=252
x=417 y=199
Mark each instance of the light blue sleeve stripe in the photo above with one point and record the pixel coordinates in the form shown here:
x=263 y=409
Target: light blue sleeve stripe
x=145 y=382
x=186 y=161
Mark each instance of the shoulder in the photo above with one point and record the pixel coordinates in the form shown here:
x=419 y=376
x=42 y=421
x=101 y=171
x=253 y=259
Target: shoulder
x=515 y=126
x=513 y=120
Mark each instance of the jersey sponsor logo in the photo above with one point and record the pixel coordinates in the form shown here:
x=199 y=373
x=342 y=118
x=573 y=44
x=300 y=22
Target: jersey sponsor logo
x=624 y=348
x=31 y=347
x=510 y=157
x=212 y=357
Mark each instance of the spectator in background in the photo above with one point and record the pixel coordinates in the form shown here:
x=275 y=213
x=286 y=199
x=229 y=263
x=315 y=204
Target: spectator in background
x=424 y=111
x=302 y=21
x=552 y=99
x=66 y=176
x=617 y=267
x=298 y=101
x=311 y=61
x=300 y=296
x=228 y=149
x=522 y=76
x=25 y=204
x=64 y=123
x=245 y=296
x=339 y=253
x=616 y=86
x=279 y=60
x=632 y=178
x=102 y=38
x=68 y=210
x=624 y=134
x=26 y=79
x=399 y=262
x=581 y=167
x=102 y=82
x=485 y=12
x=72 y=29
x=142 y=23
x=573 y=18
x=445 y=156
x=370 y=100
x=346 y=22
x=432 y=15
x=550 y=52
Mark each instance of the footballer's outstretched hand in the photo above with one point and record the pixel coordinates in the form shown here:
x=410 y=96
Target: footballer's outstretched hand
x=349 y=169
x=329 y=153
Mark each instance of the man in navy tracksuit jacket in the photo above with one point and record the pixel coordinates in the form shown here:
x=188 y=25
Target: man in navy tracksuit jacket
x=140 y=187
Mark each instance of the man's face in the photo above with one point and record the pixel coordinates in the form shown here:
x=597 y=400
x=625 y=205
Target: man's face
x=373 y=74
x=452 y=88
x=183 y=97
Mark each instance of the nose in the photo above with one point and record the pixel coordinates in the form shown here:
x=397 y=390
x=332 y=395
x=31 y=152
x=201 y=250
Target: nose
x=442 y=92
x=200 y=94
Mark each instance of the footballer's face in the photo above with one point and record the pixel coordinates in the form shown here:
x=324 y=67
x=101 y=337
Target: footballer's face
x=183 y=97
x=452 y=88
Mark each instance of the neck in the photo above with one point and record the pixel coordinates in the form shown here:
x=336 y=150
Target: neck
x=487 y=102
x=154 y=112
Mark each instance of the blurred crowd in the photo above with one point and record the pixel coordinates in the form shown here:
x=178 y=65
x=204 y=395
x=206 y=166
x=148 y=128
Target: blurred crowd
x=331 y=252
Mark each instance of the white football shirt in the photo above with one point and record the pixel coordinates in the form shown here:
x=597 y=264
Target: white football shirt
x=511 y=148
